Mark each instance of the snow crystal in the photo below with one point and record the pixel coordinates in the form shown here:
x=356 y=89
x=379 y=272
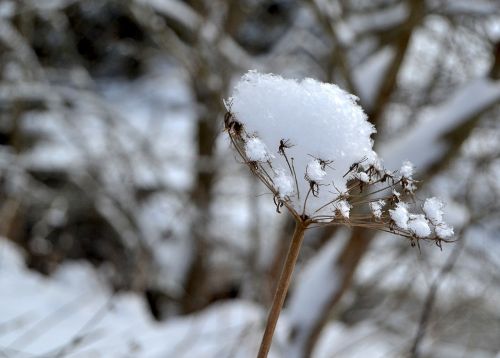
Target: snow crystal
x=406 y=169
x=444 y=231
x=400 y=215
x=256 y=150
x=321 y=120
x=315 y=171
x=419 y=226
x=283 y=183
x=376 y=208
x=344 y=208
x=433 y=210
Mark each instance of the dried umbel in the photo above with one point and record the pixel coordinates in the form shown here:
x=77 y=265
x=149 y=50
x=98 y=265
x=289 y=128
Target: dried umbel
x=310 y=144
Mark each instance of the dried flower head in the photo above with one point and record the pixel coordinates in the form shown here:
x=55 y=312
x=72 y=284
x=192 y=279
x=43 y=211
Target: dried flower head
x=310 y=144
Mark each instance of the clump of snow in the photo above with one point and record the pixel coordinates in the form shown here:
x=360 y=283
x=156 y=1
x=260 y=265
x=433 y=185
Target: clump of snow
x=363 y=177
x=433 y=210
x=444 y=231
x=321 y=120
x=419 y=226
x=283 y=183
x=374 y=161
x=376 y=208
x=256 y=150
x=400 y=216
x=407 y=169
x=343 y=208
x=315 y=171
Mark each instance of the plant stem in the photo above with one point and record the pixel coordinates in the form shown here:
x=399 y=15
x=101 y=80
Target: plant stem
x=282 y=288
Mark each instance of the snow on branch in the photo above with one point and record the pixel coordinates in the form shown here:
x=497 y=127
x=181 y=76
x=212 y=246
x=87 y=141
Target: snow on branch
x=425 y=142
x=369 y=75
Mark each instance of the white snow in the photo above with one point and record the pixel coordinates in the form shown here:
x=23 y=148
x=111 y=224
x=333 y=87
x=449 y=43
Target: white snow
x=400 y=215
x=419 y=226
x=406 y=169
x=433 y=210
x=373 y=160
x=444 y=231
x=283 y=183
x=256 y=150
x=376 y=208
x=365 y=339
x=315 y=171
x=45 y=316
x=363 y=177
x=321 y=120
x=344 y=208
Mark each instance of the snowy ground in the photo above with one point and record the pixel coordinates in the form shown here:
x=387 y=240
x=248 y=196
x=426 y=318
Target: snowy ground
x=73 y=314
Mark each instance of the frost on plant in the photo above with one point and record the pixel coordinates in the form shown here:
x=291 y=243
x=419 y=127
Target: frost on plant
x=310 y=144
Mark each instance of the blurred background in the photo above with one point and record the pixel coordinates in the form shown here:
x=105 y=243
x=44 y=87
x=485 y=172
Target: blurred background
x=128 y=227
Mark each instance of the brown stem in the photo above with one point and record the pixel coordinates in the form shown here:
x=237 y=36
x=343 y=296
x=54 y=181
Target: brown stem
x=282 y=288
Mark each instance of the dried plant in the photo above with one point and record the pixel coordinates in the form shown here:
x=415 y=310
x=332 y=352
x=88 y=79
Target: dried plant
x=367 y=195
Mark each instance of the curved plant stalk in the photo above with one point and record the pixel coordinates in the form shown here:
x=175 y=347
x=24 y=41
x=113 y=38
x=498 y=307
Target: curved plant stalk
x=282 y=287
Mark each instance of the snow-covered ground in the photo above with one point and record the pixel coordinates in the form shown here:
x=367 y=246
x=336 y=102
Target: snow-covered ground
x=73 y=314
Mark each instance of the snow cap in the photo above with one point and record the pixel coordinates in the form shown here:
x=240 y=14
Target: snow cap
x=320 y=120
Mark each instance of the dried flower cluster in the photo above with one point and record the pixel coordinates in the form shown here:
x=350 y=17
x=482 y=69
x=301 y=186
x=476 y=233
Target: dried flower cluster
x=364 y=195
x=310 y=144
